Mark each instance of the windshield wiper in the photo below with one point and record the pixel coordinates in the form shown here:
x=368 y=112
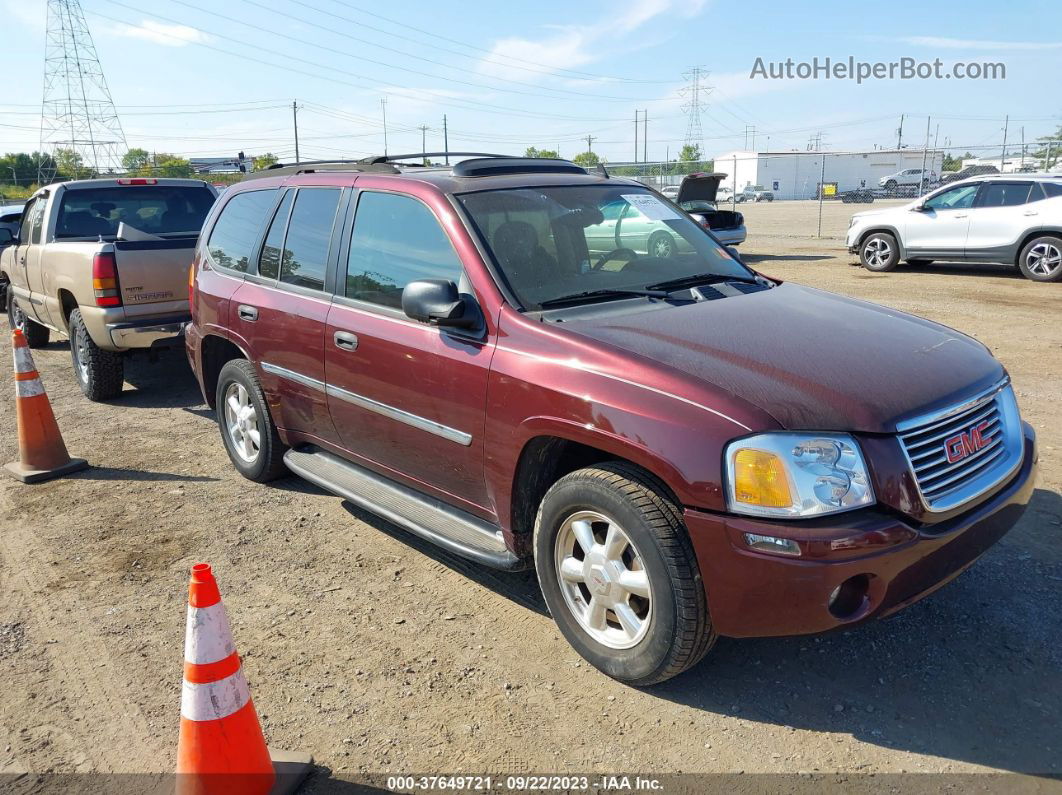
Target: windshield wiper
x=618 y=292
x=700 y=278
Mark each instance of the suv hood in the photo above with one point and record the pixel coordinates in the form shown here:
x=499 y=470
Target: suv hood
x=703 y=187
x=811 y=359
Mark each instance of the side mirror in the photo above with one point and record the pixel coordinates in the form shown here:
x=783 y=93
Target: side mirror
x=6 y=237
x=733 y=252
x=437 y=301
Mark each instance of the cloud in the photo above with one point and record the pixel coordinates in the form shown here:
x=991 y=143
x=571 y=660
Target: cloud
x=161 y=33
x=978 y=44
x=573 y=46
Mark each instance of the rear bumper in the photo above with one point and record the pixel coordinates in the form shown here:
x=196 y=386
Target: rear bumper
x=730 y=237
x=146 y=333
x=754 y=594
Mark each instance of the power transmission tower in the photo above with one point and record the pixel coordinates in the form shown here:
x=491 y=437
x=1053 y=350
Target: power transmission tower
x=77 y=112
x=691 y=92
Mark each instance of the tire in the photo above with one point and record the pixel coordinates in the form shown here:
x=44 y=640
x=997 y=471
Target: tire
x=890 y=185
x=919 y=263
x=4 y=282
x=661 y=244
x=37 y=336
x=1041 y=259
x=643 y=640
x=99 y=373
x=259 y=461
x=879 y=252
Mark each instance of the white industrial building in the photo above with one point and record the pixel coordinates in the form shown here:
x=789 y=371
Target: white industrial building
x=795 y=175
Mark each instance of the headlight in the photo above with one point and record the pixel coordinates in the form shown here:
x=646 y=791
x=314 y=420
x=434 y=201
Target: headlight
x=796 y=475
x=851 y=222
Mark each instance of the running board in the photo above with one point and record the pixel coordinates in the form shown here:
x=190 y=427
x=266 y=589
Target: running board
x=442 y=524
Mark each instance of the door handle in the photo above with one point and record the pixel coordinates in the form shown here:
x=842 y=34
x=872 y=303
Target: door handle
x=248 y=313
x=960 y=216
x=1030 y=212
x=345 y=340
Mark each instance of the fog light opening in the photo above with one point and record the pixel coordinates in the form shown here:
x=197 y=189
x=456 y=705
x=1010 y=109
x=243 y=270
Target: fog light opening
x=849 y=597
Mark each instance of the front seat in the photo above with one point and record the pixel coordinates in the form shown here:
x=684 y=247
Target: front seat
x=526 y=263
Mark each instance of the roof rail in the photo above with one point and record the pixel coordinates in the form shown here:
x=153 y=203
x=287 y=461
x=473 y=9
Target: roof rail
x=311 y=166
x=491 y=166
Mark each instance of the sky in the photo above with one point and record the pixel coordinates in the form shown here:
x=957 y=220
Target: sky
x=214 y=77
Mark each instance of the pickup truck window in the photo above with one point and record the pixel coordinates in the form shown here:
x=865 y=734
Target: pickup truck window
x=235 y=233
x=309 y=234
x=269 y=260
x=34 y=221
x=396 y=240
x=155 y=209
x=558 y=241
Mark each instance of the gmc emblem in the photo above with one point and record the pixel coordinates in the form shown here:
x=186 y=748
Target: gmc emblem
x=964 y=444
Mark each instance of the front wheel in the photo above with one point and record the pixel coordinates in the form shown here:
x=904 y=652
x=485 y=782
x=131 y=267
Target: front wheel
x=879 y=252
x=36 y=335
x=1041 y=259
x=247 y=429
x=99 y=373
x=619 y=575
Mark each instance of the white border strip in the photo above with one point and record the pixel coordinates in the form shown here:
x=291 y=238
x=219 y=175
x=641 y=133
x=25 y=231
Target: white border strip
x=214 y=700
x=207 y=636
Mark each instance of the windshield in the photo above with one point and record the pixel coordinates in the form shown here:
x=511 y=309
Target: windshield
x=155 y=209
x=559 y=241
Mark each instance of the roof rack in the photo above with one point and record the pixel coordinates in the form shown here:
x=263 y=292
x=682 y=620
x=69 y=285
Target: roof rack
x=311 y=166
x=392 y=158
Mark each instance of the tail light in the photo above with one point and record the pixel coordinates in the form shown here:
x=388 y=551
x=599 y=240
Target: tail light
x=191 y=282
x=137 y=181
x=105 y=279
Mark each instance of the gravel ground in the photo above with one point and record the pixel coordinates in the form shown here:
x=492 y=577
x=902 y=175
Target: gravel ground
x=378 y=654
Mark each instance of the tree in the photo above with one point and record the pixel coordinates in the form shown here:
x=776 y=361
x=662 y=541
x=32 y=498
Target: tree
x=1049 y=155
x=20 y=168
x=136 y=159
x=689 y=153
x=586 y=159
x=954 y=162
x=167 y=165
x=532 y=152
x=265 y=161
x=70 y=165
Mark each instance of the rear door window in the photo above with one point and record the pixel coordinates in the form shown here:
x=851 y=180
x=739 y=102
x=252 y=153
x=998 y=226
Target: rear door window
x=269 y=260
x=1004 y=194
x=309 y=237
x=1052 y=189
x=235 y=233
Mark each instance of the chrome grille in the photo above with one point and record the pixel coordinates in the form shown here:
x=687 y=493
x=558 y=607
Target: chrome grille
x=946 y=484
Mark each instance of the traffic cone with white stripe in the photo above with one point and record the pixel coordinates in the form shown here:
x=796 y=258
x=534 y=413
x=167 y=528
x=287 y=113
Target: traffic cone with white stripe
x=221 y=747
x=42 y=454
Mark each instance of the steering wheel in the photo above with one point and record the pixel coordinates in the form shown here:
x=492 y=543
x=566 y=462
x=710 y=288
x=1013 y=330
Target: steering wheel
x=630 y=253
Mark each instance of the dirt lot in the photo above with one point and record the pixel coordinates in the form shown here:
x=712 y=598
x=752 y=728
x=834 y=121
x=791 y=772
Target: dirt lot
x=376 y=654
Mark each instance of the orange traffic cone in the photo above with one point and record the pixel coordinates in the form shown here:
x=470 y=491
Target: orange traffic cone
x=42 y=454
x=221 y=747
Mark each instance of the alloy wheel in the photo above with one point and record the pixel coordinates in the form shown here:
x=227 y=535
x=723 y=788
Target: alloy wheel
x=603 y=579
x=81 y=355
x=877 y=252
x=241 y=422
x=1044 y=259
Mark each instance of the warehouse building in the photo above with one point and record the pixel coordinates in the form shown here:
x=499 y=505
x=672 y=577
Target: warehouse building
x=796 y=175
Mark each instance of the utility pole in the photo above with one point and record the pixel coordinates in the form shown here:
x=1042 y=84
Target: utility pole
x=899 y=134
x=923 y=182
x=423 y=147
x=1023 y=147
x=383 y=106
x=295 y=120
x=635 y=136
x=590 y=144
x=645 y=136
x=1003 y=158
x=822 y=179
x=446 y=141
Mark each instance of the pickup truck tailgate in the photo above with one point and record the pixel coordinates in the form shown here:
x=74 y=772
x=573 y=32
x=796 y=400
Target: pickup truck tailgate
x=153 y=272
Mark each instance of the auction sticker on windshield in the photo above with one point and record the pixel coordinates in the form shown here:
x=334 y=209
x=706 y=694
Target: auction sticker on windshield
x=651 y=207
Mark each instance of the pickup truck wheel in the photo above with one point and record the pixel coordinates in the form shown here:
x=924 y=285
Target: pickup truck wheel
x=619 y=575
x=100 y=373
x=1041 y=259
x=36 y=335
x=247 y=428
x=879 y=252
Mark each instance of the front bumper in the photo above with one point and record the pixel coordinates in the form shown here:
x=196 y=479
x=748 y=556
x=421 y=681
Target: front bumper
x=754 y=594
x=145 y=334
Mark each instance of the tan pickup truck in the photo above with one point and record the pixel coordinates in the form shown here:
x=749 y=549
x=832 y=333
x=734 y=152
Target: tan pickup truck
x=105 y=261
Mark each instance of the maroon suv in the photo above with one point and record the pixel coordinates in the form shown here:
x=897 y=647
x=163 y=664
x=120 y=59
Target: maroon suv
x=492 y=356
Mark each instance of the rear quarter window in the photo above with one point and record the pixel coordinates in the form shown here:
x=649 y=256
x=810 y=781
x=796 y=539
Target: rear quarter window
x=235 y=233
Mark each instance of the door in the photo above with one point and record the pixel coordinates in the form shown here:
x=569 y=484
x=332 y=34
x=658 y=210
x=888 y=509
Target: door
x=407 y=398
x=28 y=257
x=939 y=228
x=281 y=308
x=1000 y=218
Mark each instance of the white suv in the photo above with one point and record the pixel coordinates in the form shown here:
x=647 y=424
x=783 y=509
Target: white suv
x=1006 y=218
x=909 y=176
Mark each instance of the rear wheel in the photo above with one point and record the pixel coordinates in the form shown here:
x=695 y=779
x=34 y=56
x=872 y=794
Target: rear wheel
x=247 y=429
x=619 y=575
x=661 y=244
x=99 y=373
x=1041 y=259
x=36 y=335
x=879 y=252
